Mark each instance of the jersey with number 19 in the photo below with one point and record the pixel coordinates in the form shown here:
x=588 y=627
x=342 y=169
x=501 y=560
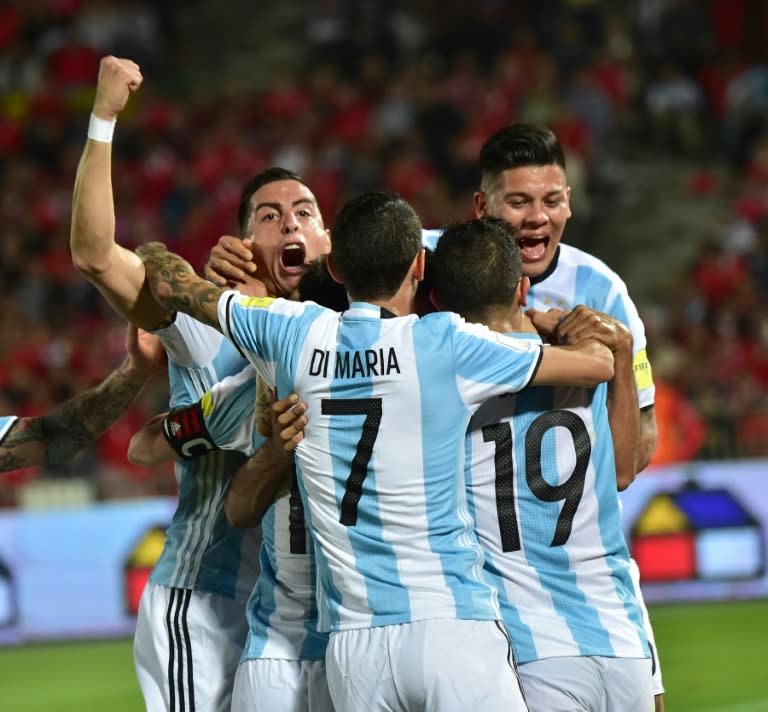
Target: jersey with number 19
x=576 y=277
x=381 y=465
x=542 y=482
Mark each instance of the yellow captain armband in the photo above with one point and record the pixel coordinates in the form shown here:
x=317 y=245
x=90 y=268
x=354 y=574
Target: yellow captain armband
x=255 y=302
x=642 y=370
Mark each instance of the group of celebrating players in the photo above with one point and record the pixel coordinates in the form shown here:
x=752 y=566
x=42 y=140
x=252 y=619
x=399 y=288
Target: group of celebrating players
x=398 y=450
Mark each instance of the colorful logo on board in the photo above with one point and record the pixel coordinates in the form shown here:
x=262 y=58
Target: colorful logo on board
x=697 y=534
x=139 y=565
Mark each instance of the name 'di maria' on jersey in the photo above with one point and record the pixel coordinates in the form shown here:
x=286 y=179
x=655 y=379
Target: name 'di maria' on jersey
x=354 y=364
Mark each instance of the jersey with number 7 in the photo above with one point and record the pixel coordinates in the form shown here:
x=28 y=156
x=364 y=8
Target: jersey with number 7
x=381 y=465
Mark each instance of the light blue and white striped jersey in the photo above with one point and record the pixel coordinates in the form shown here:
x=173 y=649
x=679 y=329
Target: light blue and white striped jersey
x=542 y=488
x=202 y=551
x=282 y=609
x=576 y=277
x=381 y=466
x=6 y=423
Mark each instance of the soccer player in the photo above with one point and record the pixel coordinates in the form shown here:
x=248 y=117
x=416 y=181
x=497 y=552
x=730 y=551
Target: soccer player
x=541 y=474
x=523 y=181
x=283 y=663
x=70 y=427
x=191 y=625
x=412 y=620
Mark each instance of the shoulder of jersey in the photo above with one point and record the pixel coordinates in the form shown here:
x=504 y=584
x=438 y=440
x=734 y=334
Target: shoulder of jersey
x=280 y=305
x=578 y=257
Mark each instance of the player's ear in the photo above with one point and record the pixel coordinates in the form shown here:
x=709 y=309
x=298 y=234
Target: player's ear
x=332 y=269
x=419 y=264
x=480 y=201
x=522 y=290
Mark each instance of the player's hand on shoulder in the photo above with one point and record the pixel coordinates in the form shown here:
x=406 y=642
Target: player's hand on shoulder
x=584 y=323
x=117 y=79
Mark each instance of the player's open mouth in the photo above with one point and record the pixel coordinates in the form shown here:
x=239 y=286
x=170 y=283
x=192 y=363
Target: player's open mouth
x=292 y=257
x=532 y=248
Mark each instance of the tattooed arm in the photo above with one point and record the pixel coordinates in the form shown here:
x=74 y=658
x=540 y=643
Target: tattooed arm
x=176 y=287
x=72 y=426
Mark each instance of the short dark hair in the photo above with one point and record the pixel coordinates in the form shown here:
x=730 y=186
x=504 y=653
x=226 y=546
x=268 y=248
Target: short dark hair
x=270 y=175
x=374 y=240
x=515 y=146
x=476 y=267
x=317 y=285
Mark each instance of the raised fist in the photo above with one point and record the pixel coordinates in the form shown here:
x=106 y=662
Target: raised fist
x=117 y=79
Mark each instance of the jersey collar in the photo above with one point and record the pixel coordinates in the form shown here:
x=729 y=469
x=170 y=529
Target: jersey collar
x=552 y=267
x=371 y=311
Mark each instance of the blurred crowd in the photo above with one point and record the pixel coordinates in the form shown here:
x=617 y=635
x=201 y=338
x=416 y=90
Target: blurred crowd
x=397 y=95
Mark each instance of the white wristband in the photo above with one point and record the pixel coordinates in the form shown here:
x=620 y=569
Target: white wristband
x=101 y=129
